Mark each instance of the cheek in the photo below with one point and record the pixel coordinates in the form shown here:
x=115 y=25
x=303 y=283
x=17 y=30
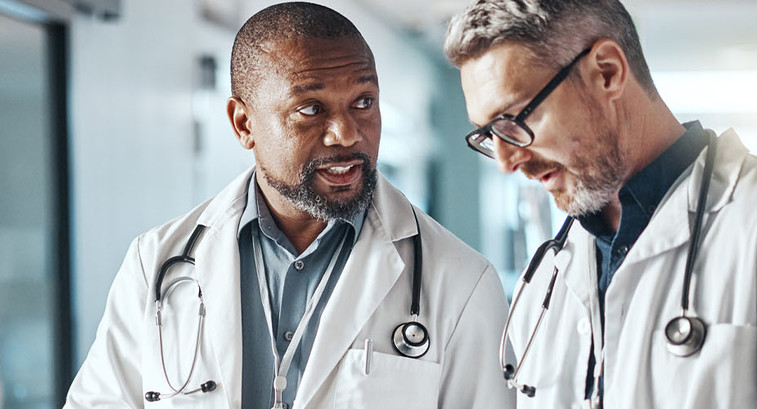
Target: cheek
x=370 y=130
x=566 y=130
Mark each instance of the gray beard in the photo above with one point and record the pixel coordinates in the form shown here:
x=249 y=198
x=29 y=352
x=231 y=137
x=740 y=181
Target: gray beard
x=319 y=206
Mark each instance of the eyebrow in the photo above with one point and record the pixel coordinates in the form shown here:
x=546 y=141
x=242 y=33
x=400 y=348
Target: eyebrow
x=368 y=78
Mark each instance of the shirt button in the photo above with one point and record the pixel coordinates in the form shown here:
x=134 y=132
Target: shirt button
x=583 y=327
x=285 y=405
x=623 y=250
x=299 y=265
x=289 y=335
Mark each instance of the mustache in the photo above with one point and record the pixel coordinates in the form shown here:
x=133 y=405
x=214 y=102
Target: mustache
x=536 y=167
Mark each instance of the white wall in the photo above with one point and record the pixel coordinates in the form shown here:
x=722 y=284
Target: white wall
x=132 y=141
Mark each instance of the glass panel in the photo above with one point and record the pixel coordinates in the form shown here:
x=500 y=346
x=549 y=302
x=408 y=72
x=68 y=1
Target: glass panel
x=517 y=215
x=27 y=247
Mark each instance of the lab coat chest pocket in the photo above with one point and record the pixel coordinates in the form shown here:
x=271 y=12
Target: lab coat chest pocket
x=706 y=379
x=392 y=382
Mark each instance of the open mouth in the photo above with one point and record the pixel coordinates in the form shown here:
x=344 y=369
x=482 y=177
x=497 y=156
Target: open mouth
x=341 y=173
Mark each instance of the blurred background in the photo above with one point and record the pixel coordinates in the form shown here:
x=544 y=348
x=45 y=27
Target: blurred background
x=112 y=121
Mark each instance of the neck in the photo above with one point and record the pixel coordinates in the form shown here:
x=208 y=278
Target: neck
x=299 y=227
x=301 y=231
x=650 y=129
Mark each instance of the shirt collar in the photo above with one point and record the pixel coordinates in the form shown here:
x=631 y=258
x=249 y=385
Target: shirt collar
x=256 y=209
x=644 y=191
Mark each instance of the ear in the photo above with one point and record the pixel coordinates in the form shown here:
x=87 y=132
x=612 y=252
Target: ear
x=240 y=121
x=610 y=69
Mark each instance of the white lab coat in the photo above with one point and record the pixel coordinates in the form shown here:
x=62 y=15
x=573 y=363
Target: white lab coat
x=645 y=293
x=462 y=306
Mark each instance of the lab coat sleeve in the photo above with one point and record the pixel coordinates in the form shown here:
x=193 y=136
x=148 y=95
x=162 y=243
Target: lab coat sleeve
x=110 y=376
x=472 y=377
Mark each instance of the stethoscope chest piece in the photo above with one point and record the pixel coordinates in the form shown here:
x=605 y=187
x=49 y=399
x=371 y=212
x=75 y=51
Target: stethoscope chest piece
x=411 y=339
x=685 y=335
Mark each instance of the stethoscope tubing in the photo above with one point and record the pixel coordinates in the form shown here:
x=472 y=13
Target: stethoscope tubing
x=183 y=257
x=555 y=244
x=201 y=314
x=697 y=233
x=415 y=305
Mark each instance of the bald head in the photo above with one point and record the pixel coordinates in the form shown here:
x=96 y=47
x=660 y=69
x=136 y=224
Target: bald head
x=255 y=48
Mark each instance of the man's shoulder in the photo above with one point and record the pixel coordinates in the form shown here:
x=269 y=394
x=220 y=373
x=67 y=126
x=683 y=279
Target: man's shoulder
x=396 y=213
x=213 y=212
x=444 y=241
x=739 y=168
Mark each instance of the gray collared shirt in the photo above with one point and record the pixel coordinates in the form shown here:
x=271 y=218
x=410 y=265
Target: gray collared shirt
x=292 y=279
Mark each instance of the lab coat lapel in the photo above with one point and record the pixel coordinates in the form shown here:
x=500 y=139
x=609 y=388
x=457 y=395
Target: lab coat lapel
x=371 y=271
x=678 y=208
x=217 y=263
x=579 y=247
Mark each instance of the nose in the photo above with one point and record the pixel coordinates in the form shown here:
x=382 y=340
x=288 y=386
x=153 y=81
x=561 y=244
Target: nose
x=508 y=156
x=342 y=130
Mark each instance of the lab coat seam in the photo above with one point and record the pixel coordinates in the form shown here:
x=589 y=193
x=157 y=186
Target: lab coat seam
x=465 y=307
x=140 y=260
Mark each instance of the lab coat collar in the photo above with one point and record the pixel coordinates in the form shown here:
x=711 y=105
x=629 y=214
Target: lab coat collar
x=731 y=152
x=374 y=264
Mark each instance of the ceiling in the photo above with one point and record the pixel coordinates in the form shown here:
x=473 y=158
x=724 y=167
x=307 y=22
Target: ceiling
x=675 y=34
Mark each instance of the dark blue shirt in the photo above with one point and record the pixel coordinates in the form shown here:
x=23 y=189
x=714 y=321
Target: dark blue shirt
x=639 y=199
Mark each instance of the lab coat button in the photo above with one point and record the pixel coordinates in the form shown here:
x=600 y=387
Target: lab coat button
x=289 y=335
x=299 y=264
x=583 y=327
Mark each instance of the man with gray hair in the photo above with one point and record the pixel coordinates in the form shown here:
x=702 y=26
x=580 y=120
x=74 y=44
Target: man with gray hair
x=651 y=298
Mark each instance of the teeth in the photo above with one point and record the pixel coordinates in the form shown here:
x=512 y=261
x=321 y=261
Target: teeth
x=339 y=170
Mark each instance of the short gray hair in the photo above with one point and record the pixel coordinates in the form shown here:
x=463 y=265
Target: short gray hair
x=554 y=31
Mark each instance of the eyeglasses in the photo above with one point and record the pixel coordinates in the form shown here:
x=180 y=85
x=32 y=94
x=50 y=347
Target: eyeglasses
x=513 y=129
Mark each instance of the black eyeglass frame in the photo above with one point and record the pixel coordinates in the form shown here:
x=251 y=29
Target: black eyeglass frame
x=519 y=120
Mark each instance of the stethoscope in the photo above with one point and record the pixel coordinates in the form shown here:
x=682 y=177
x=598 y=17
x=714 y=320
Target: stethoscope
x=684 y=334
x=161 y=299
x=410 y=339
